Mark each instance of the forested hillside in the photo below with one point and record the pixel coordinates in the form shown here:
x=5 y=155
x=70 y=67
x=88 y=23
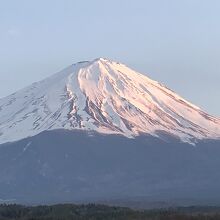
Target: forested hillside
x=102 y=212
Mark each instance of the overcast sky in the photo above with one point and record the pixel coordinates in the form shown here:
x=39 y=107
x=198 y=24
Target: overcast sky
x=176 y=42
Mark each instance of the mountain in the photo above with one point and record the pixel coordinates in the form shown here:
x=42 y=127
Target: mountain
x=106 y=97
x=100 y=132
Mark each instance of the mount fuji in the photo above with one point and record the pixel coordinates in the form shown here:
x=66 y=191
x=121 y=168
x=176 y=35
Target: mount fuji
x=99 y=131
x=106 y=97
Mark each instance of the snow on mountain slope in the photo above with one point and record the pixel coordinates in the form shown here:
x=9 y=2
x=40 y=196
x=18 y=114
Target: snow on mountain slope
x=104 y=96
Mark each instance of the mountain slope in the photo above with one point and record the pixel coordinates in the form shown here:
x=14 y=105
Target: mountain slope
x=106 y=97
x=61 y=166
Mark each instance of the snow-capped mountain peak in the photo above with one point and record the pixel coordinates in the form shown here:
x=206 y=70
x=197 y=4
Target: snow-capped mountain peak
x=104 y=96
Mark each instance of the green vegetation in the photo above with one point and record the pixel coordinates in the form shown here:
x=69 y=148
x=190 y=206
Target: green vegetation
x=102 y=212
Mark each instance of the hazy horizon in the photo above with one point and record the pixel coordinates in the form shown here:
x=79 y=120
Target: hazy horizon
x=175 y=43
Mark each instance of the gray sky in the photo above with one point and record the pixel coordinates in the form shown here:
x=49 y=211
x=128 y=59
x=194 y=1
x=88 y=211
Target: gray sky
x=175 y=42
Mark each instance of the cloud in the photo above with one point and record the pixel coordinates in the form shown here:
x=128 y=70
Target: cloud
x=14 y=32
